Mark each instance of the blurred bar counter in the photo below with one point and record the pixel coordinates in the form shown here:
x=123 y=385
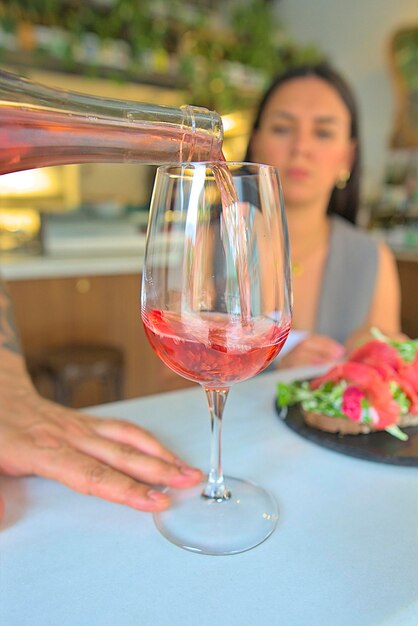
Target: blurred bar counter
x=90 y=294
x=15 y=267
x=87 y=299
x=403 y=241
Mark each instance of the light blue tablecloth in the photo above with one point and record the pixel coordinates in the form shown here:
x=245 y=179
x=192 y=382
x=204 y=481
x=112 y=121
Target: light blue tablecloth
x=345 y=551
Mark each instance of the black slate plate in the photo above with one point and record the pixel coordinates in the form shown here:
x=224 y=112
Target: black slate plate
x=379 y=447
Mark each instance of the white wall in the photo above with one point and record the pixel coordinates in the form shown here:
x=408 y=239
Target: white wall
x=355 y=35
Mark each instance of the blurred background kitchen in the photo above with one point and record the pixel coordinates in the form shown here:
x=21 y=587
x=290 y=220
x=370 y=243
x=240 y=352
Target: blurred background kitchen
x=72 y=237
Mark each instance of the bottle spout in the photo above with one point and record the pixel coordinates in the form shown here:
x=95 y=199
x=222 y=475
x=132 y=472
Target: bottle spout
x=205 y=135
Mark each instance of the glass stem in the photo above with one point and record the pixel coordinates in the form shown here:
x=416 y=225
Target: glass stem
x=215 y=488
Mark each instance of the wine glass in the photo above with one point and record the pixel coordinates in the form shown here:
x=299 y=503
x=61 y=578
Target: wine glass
x=216 y=307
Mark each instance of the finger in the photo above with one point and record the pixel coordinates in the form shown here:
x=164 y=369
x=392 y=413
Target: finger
x=323 y=347
x=89 y=476
x=1 y=508
x=126 y=432
x=322 y=342
x=309 y=354
x=140 y=466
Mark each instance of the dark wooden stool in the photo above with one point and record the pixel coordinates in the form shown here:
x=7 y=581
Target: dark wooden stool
x=69 y=368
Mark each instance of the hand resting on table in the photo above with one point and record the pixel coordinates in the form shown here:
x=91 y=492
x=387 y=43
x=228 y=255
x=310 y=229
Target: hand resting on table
x=111 y=459
x=312 y=350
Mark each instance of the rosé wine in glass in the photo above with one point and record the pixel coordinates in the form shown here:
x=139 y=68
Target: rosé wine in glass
x=212 y=349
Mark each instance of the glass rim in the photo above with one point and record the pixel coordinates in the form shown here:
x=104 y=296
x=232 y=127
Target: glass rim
x=168 y=168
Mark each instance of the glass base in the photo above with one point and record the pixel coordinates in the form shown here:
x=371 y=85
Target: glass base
x=199 y=524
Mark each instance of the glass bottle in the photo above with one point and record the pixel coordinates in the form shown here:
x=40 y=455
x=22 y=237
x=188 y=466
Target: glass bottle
x=42 y=126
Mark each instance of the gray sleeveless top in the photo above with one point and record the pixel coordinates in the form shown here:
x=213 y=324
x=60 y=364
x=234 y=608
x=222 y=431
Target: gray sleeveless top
x=349 y=281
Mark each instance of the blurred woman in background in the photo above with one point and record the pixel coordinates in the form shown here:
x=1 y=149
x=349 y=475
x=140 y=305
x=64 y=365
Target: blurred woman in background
x=344 y=282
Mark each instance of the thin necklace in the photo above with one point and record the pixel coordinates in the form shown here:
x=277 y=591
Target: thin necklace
x=298 y=267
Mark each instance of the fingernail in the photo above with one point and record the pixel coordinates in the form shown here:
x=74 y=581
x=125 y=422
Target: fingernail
x=156 y=496
x=186 y=470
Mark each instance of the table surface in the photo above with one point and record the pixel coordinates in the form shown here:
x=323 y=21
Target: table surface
x=345 y=551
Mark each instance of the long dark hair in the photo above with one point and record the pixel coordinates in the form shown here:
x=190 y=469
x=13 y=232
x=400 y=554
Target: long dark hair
x=344 y=202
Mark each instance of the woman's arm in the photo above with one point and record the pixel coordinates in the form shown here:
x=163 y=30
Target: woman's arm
x=385 y=310
x=111 y=459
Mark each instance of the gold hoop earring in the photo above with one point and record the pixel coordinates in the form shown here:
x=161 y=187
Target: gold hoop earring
x=343 y=179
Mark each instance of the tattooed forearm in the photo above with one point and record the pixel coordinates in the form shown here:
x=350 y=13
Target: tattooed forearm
x=9 y=337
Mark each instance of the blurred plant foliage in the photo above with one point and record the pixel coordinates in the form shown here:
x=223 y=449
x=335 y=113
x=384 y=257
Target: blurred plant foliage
x=405 y=49
x=221 y=53
x=405 y=65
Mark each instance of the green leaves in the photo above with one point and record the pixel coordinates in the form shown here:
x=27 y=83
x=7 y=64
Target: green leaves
x=395 y=431
x=326 y=400
x=407 y=348
x=400 y=396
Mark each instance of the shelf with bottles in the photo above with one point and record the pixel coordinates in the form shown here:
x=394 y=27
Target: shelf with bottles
x=398 y=200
